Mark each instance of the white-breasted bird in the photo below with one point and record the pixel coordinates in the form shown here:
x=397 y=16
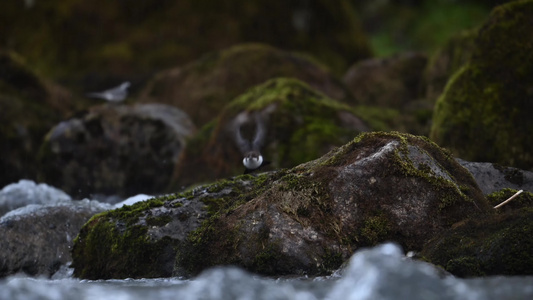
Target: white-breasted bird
x=116 y=94
x=253 y=159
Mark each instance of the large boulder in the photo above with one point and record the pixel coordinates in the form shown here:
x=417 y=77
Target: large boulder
x=102 y=38
x=29 y=107
x=300 y=124
x=306 y=220
x=203 y=87
x=37 y=239
x=115 y=150
x=485 y=111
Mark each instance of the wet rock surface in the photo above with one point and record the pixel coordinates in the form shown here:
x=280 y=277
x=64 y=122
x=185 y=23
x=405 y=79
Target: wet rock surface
x=37 y=239
x=306 y=220
x=115 y=149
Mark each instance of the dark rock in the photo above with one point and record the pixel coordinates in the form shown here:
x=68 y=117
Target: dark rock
x=307 y=220
x=301 y=124
x=37 y=239
x=499 y=244
x=492 y=177
x=114 y=149
x=202 y=88
x=485 y=111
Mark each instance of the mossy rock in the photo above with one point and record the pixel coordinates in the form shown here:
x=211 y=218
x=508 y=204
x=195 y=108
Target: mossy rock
x=203 y=87
x=379 y=187
x=484 y=113
x=73 y=40
x=301 y=124
x=29 y=107
x=493 y=245
x=306 y=220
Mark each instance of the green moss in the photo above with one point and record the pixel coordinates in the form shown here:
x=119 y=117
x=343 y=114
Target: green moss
x=130 y=214
x=375 y=229
x=331 y=261
x=115 y=252
x=266 y=260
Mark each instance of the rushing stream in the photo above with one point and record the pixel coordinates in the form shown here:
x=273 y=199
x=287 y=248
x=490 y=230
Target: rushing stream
x=378 y=273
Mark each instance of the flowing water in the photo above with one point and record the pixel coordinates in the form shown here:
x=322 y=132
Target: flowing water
x=382 y=272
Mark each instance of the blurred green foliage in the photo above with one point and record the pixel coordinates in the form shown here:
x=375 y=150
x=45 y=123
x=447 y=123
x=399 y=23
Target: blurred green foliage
x=424 y=25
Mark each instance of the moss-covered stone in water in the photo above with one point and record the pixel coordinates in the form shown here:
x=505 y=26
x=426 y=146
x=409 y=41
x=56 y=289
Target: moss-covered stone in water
x=484 y=112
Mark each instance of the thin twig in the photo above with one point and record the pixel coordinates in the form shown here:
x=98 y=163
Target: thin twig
x=507 y=201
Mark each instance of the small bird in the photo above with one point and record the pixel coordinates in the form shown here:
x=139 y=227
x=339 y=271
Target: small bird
x=116 y=94
x=253 y=159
